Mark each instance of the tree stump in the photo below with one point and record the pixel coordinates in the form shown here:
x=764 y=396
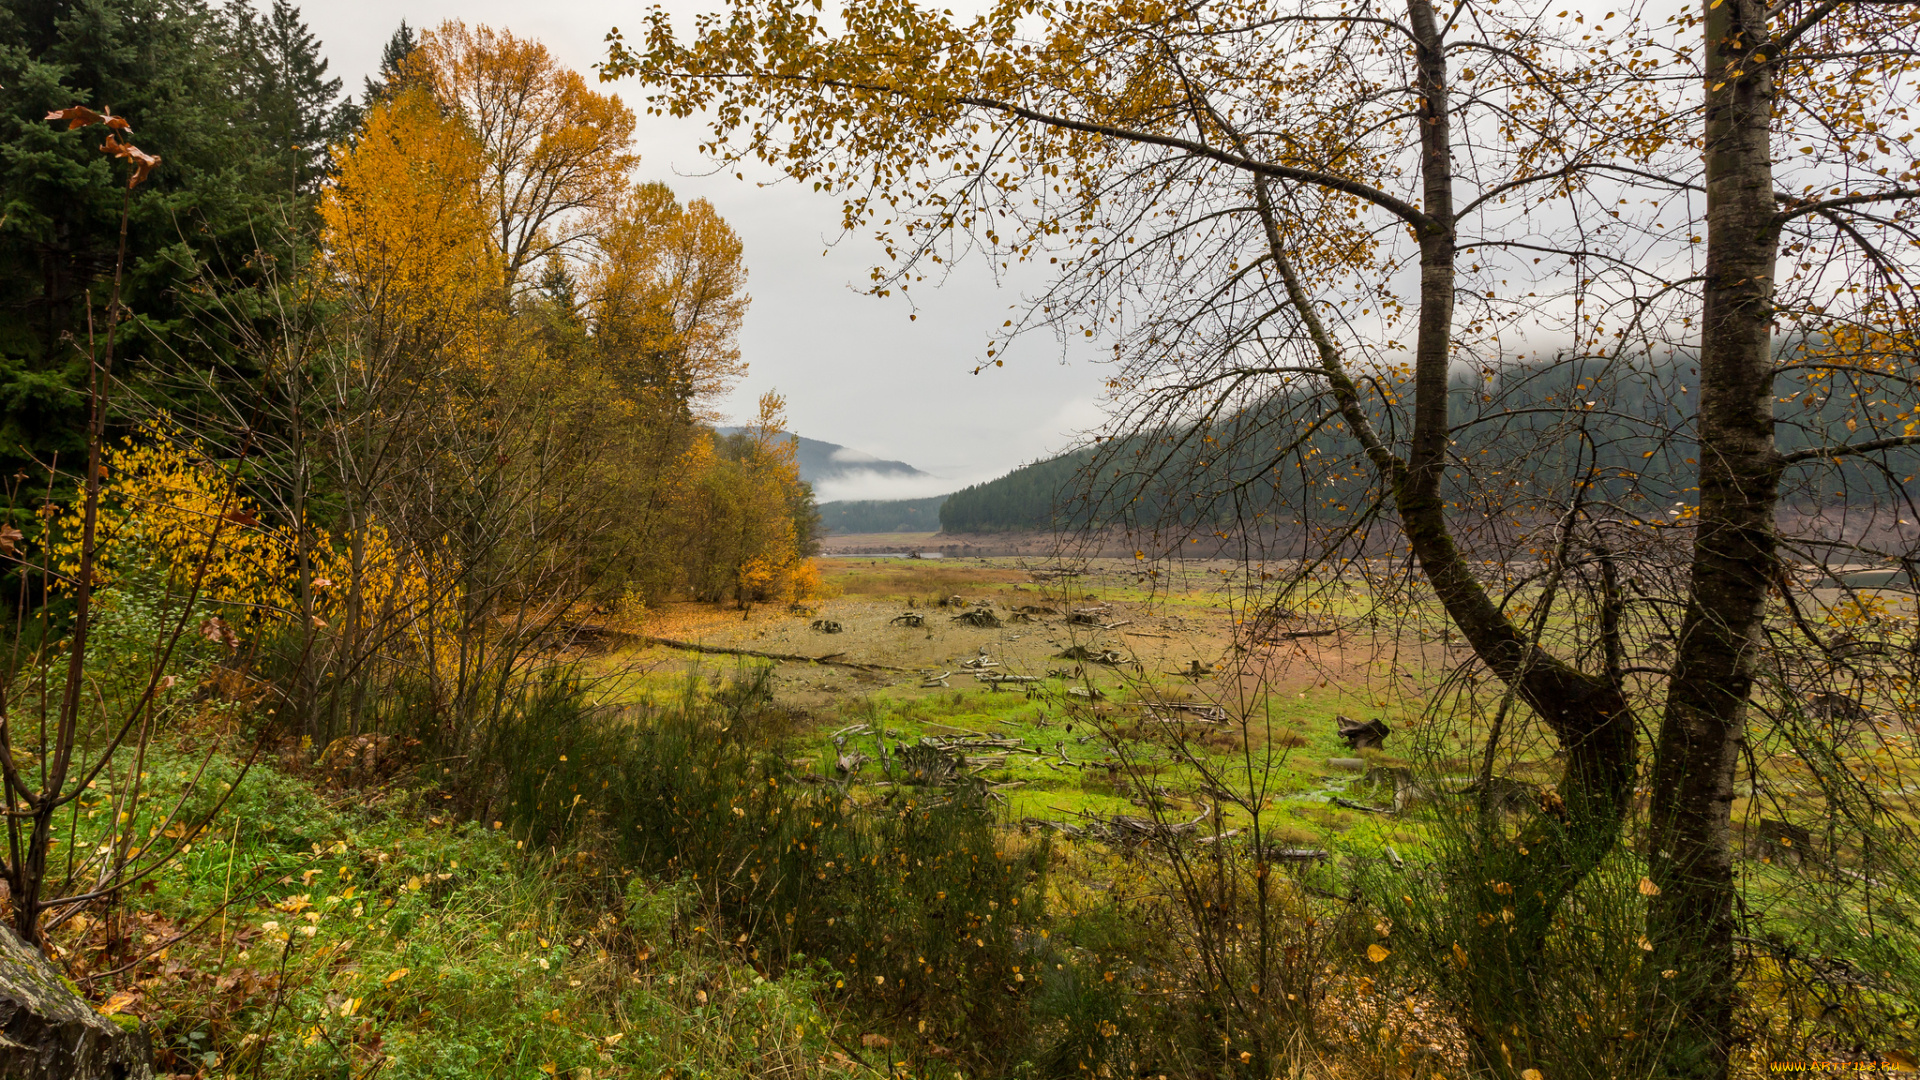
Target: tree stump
x=48 y=1032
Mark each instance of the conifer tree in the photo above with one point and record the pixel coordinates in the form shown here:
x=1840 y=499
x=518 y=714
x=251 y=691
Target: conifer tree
x=166 y=67
x=296 y=109
x=393 y=57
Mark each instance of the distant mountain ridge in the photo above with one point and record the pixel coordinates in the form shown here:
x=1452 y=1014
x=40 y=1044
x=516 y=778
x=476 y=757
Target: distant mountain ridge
x=822 y=461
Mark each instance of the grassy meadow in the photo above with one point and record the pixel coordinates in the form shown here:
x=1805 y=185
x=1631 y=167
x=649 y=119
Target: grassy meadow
x=687 y=864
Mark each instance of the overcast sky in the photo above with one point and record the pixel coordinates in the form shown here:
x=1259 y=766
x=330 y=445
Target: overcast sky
x=853 y=368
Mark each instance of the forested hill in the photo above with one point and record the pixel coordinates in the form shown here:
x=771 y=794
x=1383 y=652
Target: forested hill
x=1026 y=498
x=1627 y=429
x=881 y=515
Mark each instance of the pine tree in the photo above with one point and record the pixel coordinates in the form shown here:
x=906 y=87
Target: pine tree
x=289 y=99
x=165 y=66
x=393 y=57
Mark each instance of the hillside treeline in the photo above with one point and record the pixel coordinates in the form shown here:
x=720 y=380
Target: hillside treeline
x=882 y=515
x=1527 y=436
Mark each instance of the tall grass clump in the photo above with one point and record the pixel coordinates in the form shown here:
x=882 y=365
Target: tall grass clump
x=925 y=921
x=1532 y=984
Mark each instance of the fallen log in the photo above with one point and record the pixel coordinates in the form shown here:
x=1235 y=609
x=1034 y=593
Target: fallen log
x=1291 y=635
x=795 y=658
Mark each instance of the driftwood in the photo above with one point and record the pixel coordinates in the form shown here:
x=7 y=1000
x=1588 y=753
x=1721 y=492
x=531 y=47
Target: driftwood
x=979 y=617
x=928 y=763
x=792 y=658
x=1406 y=789
x=940 y=762
x=908 y=618
x=1097 y=656
x=1203 y=712
x=1294 y=854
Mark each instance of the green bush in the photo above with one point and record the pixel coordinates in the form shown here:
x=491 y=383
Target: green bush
x=1531 y=986
x=911 y=903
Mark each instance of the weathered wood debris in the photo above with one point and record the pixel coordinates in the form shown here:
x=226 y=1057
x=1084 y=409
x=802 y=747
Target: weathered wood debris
x=1094 y=655
x=718 y=650
x=1125 y=830
x=1363 y=734
x=1195 y=712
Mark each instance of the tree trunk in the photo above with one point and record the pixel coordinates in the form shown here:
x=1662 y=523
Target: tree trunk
x=1588 y=715
x=1691 y=920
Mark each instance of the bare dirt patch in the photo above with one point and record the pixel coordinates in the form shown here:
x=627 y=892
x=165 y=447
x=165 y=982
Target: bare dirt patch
x=1100 y=622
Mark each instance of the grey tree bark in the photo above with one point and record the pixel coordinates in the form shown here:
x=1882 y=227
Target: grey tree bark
x=1691 y=921
x=47 y=1032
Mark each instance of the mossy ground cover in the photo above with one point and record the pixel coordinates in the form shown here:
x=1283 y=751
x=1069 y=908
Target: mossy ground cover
x=1079 y=758
x=320 y=936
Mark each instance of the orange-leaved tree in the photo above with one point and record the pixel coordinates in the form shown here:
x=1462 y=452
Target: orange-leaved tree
x=404 y=232
x=553 y=154
x=663 y=297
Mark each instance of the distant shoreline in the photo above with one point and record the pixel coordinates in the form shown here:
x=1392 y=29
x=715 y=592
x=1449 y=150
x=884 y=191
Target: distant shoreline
x=949 y=545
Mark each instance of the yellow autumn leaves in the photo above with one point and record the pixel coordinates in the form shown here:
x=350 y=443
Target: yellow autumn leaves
x=484 y=225
x=403 y=225
x=170 y=511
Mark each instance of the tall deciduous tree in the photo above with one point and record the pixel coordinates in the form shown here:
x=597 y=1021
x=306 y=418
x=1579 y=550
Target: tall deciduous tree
x=1370 y=220
x=404 y=228
x=664 y=298
x=554 y=153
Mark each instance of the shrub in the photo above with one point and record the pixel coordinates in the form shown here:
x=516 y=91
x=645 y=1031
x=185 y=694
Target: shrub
x=912 y=902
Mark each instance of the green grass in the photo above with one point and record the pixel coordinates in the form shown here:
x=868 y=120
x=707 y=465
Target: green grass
x=443 y=948
x=398 y=941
